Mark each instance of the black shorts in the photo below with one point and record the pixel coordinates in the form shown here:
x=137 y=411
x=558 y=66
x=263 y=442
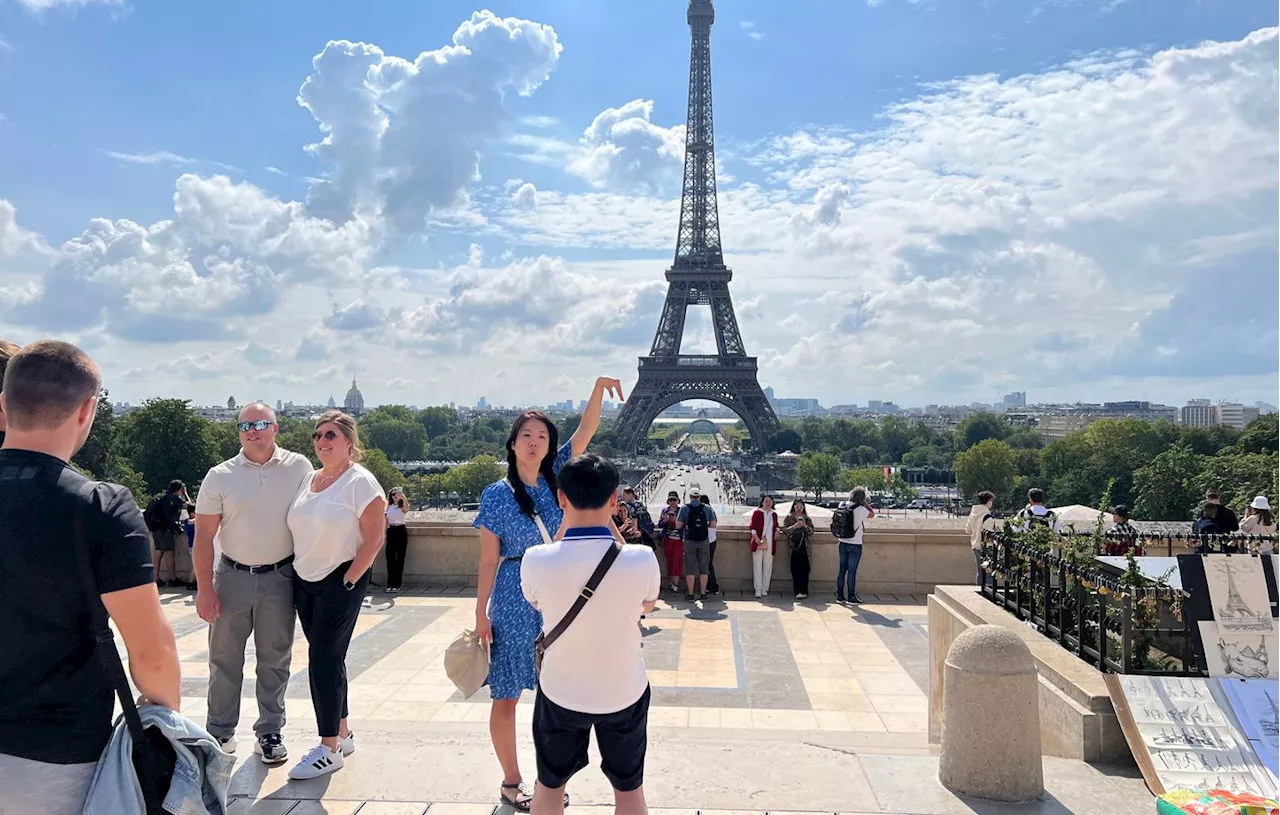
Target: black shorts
x=165 y=540
x=561 y=737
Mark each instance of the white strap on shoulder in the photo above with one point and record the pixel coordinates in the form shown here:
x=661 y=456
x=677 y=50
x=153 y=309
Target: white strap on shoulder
x=537 y=519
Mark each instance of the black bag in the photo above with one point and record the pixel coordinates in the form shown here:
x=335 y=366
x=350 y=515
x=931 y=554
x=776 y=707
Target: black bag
x=152 y=516
x=545 y=641
x=844 y=523
x=153 y=755
x=695 y=524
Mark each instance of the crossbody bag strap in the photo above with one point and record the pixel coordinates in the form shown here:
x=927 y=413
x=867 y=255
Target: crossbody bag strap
x=588 y=591
x=537 y=519
x=104 y=645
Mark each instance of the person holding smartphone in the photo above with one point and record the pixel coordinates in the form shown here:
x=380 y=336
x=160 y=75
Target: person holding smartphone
x=397 y=538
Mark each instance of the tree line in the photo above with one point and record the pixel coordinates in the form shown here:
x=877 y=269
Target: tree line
x=1160 y=469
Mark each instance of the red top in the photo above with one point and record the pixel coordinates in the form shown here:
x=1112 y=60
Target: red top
x=757 y=526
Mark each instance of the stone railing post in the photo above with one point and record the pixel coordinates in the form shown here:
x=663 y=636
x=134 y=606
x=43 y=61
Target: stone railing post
x=991 y=717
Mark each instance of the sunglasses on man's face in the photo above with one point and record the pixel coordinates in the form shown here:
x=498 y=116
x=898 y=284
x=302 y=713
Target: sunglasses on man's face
x=328 y=435
x=259 y=425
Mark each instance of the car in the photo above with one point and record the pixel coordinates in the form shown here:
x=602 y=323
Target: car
x=682 y=482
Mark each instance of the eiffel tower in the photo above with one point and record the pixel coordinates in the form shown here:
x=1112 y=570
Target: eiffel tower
x=698 y=277
x=1235 y=607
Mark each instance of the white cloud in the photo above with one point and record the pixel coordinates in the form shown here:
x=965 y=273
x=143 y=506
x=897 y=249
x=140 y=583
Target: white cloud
x=38 y=6
x=623 y=150
x=163 y=158
x=402 y=137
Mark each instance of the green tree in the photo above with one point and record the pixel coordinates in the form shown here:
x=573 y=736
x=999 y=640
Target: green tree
x=224 y=438
x=1165 y=488
x=818 y=473
x=870 y=477
x=896 y=435
x=988 y=465
x=376 y=462
x=980 y=427
x=437 y=420
x=400 y=439
x=1239 y=477
x=390 y=413
x=167 y=441
x=1260 y=436
x=99 y=448
x=470 y=479
x=787 y=438
x=1024 y=438
x=424 y=488
x=295 y=435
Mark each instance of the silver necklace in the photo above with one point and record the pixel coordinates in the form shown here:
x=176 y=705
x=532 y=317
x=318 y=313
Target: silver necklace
x=325 y=481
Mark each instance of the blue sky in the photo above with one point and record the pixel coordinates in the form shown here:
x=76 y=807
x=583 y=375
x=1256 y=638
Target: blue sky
x=896 y=178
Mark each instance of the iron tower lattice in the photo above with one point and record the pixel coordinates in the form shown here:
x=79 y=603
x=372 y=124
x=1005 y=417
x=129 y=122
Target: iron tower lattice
x=698 y=277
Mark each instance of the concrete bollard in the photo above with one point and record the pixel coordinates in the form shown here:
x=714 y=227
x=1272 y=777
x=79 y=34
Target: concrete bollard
x=991 y=717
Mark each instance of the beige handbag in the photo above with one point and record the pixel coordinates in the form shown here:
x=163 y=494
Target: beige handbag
x=466 y=663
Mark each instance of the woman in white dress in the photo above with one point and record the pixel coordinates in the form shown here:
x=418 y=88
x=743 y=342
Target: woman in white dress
x=337 y=521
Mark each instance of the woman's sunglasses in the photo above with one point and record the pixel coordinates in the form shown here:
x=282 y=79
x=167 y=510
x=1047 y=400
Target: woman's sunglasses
x=328 y=435
x=259 y=425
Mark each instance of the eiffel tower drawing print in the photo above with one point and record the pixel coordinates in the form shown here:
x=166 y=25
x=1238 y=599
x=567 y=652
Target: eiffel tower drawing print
x=1238 y=594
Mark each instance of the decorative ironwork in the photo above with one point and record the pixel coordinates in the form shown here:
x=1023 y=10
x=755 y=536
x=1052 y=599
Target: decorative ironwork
x=1124 y=624
x=698 y=277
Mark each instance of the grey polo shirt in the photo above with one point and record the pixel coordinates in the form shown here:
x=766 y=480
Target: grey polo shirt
x=253 y=500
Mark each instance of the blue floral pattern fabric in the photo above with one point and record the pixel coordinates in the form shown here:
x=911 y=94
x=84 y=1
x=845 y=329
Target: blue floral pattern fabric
x=516 y=624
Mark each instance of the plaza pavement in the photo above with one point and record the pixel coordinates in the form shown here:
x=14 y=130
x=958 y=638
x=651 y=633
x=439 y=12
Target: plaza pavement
x=758 y=706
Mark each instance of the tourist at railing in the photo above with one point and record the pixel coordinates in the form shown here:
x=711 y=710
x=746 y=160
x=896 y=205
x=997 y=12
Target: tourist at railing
x=337 y=521
x=397 y=538
x=694 y=521
x=713 y=585
x=1224 y=518
x=516 y=513
x=672 y=543
x=764 y=545
x=850 y=538
x=799 y=530
x=980 y=520
x=1123 y=536
x=1258 y=520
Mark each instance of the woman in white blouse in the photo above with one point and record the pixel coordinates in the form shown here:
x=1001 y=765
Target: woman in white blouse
x=397 y=538
x=337 y=525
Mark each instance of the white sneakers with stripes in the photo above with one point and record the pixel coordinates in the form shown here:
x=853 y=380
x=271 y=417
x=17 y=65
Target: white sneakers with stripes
x=320 y=760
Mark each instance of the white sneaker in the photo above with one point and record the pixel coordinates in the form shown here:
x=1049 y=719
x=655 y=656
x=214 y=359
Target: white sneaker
x=228 y=745
x=318 y=761
x=347 y=745
x=801 y=596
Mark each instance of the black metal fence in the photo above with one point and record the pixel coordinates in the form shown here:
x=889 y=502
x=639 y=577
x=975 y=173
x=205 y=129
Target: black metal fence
x=1122 y=622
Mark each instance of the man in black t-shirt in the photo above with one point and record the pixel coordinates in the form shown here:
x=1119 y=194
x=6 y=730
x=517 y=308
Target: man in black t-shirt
x=55 y=699
x=168 y=533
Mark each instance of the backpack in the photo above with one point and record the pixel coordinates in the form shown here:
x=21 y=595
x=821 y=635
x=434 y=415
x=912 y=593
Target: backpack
x=1032 y=519
x=844 y=523
x=152 y=516
x=695 y=524
x=1204 y=526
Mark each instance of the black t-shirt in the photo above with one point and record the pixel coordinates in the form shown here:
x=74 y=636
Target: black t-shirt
x=55 y=699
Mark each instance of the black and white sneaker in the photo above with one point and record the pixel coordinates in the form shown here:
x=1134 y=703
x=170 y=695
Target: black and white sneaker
x=347 y=743
x=318 y=761
x=228 y=745
x=271 y=748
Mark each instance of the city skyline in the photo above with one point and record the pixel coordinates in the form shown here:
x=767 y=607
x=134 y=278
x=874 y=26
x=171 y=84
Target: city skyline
x=922 y=203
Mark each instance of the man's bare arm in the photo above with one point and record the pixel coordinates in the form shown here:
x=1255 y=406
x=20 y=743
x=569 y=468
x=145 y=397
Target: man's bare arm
x=149 y=640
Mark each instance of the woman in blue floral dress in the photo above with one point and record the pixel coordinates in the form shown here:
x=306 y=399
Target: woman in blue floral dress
x=504 y=619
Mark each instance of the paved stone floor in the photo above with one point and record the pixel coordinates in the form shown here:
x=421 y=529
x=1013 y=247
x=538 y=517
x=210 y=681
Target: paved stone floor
x=757 y=706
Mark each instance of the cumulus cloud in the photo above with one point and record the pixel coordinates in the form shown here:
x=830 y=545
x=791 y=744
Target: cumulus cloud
x=222 y=258
x=402 y=137
x=624 y=150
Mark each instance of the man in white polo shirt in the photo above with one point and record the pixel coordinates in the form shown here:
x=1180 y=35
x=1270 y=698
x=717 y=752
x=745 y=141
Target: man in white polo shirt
x=593 y=674
x=243 y=503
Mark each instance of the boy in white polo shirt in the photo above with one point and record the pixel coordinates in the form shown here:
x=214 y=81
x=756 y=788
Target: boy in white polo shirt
x=593 y=674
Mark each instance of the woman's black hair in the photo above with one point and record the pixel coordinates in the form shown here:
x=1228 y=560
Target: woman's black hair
x=523 y=499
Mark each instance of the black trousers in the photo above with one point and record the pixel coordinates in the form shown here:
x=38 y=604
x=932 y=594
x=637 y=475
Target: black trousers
x=397 y=546
x=713 y=585
x=800 y=570
x=328 y=613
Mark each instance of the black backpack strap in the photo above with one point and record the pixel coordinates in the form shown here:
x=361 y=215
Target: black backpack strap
x=104 y=641
x=588 y=591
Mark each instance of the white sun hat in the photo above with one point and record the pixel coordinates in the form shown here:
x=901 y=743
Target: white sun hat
x=1261 y=502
